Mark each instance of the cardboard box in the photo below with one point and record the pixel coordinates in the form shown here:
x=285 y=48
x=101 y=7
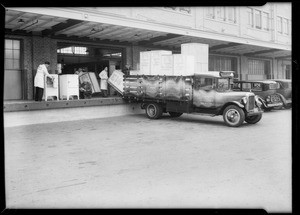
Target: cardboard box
x=145 y=62
x=201 y=67
x=198 y=50
x=166 y=65
x=183 y=65
x=157 y=61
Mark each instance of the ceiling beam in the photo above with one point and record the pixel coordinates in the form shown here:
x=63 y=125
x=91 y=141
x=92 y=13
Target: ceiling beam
x=17 y=16
x=159 y=39
x=261 y=52
x=71 y=27
x=23 y=25
x=223 y=46
x=63 y=25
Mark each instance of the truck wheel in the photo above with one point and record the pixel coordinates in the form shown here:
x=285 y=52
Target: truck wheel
x=154 y=111
x=175 y=114
x=233 y=116
x=253 y=119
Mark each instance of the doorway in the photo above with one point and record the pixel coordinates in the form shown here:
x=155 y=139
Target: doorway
x=89 y=57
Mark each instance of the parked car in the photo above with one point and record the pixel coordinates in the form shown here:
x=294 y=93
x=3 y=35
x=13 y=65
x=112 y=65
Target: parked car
x=265 y=90
x=285 y=91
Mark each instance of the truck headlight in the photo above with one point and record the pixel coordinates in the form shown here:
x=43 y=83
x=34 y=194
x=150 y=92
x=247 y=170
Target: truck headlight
x=258 y=103
x=244 y=100
x=268 y=99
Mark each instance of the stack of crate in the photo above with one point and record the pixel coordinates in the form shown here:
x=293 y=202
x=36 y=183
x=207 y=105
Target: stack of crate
x=156 y=62
x=193 y=59
x=200 y=52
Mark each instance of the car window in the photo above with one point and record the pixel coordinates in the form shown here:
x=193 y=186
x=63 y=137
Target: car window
x=206 y=83
x=274 y=86
x=223 y=84
x=257 y=87
x=246 y=86
x=236 y=86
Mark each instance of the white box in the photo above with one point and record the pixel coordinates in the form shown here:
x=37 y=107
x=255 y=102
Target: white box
x=134 y=72
x=145 y=62
x=116 y=81
x=166 y=65
x=51 y=87
x=183 y=65
x=68 y=86
x=199 y=50
x=201 y=67
x=156 y=61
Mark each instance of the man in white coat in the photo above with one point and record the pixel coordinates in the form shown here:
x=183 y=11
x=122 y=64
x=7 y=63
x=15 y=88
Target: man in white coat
x=103 y=84
x=39 y=80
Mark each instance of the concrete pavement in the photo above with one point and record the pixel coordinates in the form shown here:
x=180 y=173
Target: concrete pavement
x=132 y=161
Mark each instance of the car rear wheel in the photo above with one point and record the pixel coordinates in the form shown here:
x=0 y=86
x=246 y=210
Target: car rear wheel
x=253 y=119
x=233 y=116
x=175 y=114
x=154 y=111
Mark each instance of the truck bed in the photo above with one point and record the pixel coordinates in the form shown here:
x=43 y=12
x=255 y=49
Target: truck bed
x=172 y=88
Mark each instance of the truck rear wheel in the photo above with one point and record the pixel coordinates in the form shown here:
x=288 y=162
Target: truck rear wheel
x=175 y=114
x=253 y=119
x=153 y=111
x=233 y=116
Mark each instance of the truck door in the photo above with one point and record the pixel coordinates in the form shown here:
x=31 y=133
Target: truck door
x=204 y=92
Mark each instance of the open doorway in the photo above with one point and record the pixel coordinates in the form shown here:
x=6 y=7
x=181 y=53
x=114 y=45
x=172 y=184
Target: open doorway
x=91 y=58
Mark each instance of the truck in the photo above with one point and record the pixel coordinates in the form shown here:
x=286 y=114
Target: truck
x=207 y=93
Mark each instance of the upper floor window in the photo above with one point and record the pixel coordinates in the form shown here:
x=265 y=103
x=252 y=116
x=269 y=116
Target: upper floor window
x=258 y=19
x=224 y=14
x=186 y=10
x=283 y=25
x=220 y=13
x=265 y=21
x=250 y=16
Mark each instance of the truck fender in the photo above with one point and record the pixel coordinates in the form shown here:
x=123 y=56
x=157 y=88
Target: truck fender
x=231 y=103
x=262 y=101
x=282 y=98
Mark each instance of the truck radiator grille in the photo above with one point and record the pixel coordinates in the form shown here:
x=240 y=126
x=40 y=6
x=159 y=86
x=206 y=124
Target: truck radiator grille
x=251 y=103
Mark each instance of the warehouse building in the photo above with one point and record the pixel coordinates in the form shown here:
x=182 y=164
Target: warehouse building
x=255 y=42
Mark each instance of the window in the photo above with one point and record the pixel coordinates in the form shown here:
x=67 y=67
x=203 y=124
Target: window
x=258 y=67
x=73 y=50
x=279 y=24
x=265 y=21
x=186 y=10
x=206 y=83
x=210 y=13
x=257 y=87
x=250 y=16
x=231 y=17
x=223 y=84
x=246 y=86
x=220 y=13
x=12 y=54
x=258 y=19
x=285 y=26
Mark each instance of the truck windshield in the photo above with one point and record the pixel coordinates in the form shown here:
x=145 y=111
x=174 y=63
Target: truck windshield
x=223 y=84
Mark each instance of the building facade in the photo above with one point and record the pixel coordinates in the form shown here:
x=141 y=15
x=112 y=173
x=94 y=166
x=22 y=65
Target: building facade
x=255 y=42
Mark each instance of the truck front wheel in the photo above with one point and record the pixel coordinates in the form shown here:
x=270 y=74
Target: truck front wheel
x=175 y=114
x=233 y=116
x=154 y=111
x=253 y=119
